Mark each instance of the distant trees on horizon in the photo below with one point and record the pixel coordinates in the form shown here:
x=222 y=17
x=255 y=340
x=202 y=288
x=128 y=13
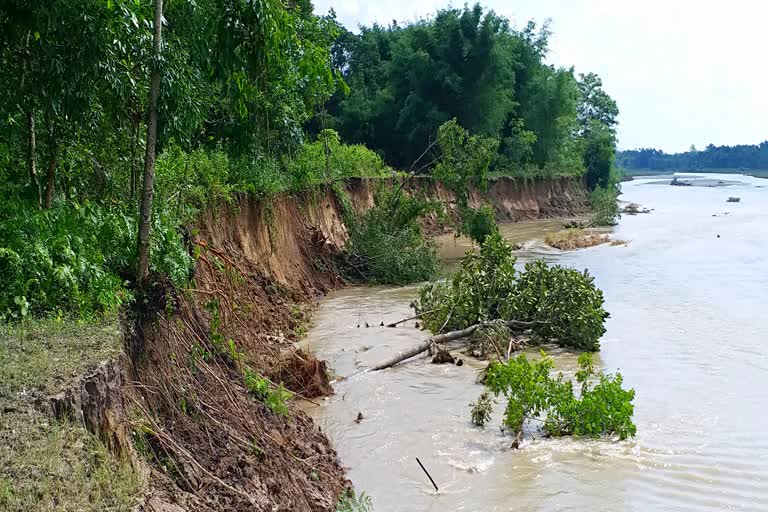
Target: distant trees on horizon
x=743 y=156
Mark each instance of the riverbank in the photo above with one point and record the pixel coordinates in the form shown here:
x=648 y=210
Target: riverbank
x=179 y=406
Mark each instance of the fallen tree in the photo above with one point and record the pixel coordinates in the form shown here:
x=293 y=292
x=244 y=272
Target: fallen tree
x=563 y=305
x=444 y=338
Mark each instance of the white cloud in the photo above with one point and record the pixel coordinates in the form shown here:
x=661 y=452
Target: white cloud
x=683 y=71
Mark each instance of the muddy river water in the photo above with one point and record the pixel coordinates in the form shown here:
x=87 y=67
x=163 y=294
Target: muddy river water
x=688 y=331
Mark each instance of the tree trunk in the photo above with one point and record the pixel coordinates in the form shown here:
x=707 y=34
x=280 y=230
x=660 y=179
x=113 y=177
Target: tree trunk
x=145 y=211
x=50 y=179
x=444 y=338
x=132 y=156
x=31 y=150
x=30 y=111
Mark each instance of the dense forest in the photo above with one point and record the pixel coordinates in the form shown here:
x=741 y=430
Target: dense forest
x=117 y=128
x=741 y=157
x=471 y=65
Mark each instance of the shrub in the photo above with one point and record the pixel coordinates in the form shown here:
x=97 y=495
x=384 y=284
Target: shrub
x=487 y=286
x=566 y=300
x=604 y=205
x=603 y=408
x=77 y=258
x=478 y=223
x=348 y=502
x=274 y=397
x=386 y=244
x=327 y=160
x=482 y=409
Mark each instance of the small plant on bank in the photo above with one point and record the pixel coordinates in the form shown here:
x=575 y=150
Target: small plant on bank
x=349 y=502
x=602 y=406
x=274 y=397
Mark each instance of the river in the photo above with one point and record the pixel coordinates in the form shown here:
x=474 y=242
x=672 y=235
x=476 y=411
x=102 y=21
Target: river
x=687 y=330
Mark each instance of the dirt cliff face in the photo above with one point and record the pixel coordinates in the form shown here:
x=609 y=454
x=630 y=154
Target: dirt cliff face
x=261 y=264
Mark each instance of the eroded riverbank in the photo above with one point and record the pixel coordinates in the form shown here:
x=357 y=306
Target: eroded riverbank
x=685 y=331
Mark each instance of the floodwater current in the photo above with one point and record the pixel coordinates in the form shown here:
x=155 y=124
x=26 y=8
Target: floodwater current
x=688 y=331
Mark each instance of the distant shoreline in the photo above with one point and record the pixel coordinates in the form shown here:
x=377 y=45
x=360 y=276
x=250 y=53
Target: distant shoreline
x=757 y=173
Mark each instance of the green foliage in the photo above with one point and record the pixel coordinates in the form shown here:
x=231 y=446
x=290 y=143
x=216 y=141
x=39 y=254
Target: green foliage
x=479 y=289
x=605 y=207
x=464 y=159
x=565 y=299
x=478 y=223
x=406 y=81
x=386 y=244
x=487 y=286
x=349 y=502
x=602 y=408
x=482 y=409
x=274 y=397
x=76 y=258
x=327 y=160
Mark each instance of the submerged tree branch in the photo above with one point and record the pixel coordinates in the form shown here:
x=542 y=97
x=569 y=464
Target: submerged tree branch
x=446 y=337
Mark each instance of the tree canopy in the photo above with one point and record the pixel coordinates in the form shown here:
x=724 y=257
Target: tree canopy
x=471 y=65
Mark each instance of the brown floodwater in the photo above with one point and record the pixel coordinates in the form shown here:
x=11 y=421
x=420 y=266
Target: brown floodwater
x=688 y=331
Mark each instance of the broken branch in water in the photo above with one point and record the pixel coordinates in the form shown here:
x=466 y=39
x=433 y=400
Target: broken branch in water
x=414 y=317
x=428 y=475
x=446 y=337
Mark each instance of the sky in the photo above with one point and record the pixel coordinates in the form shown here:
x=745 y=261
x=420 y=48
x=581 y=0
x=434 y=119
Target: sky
x=682 y=71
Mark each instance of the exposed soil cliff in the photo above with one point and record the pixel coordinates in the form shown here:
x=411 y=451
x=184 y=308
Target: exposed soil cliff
x=516 y=200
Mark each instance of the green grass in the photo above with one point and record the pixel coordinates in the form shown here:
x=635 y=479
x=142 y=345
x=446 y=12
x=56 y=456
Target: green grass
x=46 y=464
x=43 y=355
x=60 y=466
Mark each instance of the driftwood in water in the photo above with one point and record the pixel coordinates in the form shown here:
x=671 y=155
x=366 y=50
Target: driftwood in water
x=444 y=338
x=414 y=317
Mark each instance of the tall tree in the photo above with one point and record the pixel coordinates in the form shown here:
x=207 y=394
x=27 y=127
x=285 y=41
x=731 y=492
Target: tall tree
x=145 y=211
x=597 y=115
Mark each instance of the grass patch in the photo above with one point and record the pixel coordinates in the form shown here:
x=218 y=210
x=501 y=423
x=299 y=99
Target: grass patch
x=575 y=238
x=43 y=355
x=60 y=466
x=49 y=465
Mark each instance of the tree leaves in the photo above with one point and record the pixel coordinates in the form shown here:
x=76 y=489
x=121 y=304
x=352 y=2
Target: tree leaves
x=602 y=408
x=487 y=286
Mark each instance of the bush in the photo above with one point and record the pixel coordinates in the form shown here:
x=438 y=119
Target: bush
x=604 y=205
x=488 y=287
x=327 y=160
x=482 y=409
x=478 y=223
x=274 y=397
x=565 y=299
x=77 y=258
x=603 y=408
x=386 y=244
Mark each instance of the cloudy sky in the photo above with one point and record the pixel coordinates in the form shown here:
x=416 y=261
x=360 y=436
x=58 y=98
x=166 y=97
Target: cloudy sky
x=682 y=71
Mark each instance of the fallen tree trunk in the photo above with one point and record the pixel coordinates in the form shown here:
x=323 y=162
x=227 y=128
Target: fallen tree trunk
x=444 y=338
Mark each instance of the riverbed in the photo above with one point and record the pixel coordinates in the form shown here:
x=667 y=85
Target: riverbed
x=687 y=330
